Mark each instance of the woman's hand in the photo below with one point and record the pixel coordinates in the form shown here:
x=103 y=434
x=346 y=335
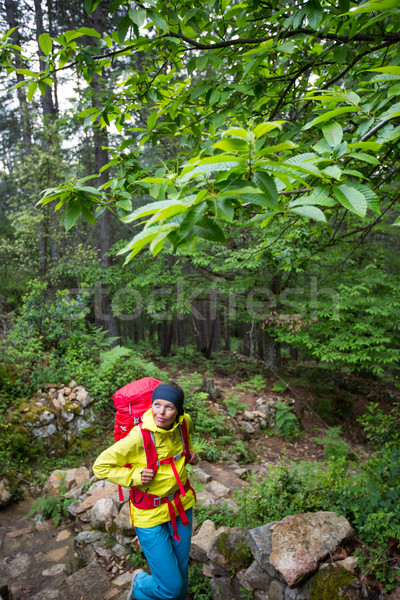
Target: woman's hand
x=147 y=475
x=194 y=459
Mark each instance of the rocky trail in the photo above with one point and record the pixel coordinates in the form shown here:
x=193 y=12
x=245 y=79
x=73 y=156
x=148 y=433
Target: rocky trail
x=39 y=561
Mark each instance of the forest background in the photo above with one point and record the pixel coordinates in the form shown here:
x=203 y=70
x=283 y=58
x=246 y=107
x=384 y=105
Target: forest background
x=253 y=146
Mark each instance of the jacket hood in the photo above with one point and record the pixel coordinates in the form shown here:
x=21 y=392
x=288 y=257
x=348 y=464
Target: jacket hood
x=148 y=423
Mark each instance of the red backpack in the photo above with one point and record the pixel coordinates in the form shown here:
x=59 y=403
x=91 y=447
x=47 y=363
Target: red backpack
x=131 y=402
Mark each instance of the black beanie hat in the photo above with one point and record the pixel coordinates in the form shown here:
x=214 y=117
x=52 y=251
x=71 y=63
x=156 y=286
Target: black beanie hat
x=168 y=392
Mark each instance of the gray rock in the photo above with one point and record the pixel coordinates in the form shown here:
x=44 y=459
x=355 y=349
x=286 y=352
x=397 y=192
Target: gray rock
x=229 y=549
x=300 y=542
x=202 y=476
x=123 y=521
x=202 y=541
x=90 y=583
x=218 y=489
x=7 y=488
x=260 y=543
x=46 y=594
x=256 y=577
x=55 y=482
x=276 y=590
x=54 y=570
x=247 y=427
x=120 y=551
x=44 y=432
x=221 y=589
x=86 y=543
x=102 y=513
x=13 y=566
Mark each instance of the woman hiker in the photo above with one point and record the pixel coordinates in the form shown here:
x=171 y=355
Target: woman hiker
x=161 y=497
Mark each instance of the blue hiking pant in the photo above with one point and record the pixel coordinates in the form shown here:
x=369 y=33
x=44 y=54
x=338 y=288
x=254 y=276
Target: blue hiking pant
x=168 y=560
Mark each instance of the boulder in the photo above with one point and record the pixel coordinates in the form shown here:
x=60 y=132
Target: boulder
x=202 y=541
x=123 y=521
x=229 y=549
x=106 y=491
x=292 y=548
x=335 y=583
x=90 y=583
x=86 y=543
x=56 y=482
x=103 y=513
x=256 y=578
x=218 y=489
x=7 y=489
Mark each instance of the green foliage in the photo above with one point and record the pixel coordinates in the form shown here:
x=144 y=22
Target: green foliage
x=255 y=384
x=279 y=386
x=198 y=584
x=334 y=446
x=50 y=507
x=286 y=421
x=234 y=404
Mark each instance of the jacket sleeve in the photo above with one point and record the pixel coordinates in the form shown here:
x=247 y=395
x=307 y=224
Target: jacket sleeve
x=111 y=463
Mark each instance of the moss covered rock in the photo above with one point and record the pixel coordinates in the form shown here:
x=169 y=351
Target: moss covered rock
x=335 y=583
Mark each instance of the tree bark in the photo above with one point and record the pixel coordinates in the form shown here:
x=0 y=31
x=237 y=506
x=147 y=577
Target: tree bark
x=47 y=100
x=103 y=223
x=23 y=105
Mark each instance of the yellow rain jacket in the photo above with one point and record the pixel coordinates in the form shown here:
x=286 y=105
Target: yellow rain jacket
x=110 y=465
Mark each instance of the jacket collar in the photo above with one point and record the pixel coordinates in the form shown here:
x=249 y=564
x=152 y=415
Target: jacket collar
x=148 y=423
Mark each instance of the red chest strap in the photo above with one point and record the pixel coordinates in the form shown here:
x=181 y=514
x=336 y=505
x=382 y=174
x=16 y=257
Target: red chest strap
x=150 y=449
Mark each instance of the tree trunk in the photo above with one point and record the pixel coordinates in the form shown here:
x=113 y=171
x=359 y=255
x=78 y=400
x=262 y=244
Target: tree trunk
x=23 y=105
x=47 y=100
x=227 y=336
x=103 y=223
x=273 y=354
x=166 y=337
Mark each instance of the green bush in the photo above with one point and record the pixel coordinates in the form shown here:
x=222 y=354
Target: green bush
x=369 y=498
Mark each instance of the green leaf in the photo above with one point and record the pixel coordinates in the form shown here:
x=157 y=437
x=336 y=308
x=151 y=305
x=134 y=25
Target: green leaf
x=46 y=43
x=374 y=146
x=71 y=214
x=31 y=90
x=159 y=21
x=394 y=70
x=151 y=209
x=309 y=212
x=137 y=16
x=158 y=243
x=152 y=119
x=267 y=185
x=333 y=133
x=88 y=215
x=123 y=28
x=364 y=157
x=225 y=209
x=351 y=199
x=314 y=13
x=91 y=5
x=231 y=145
x=397 y=222
x=331 y=114
x=391 y=113
x=208 y=229
x=264 y=128
x=374 y=6
x=371 y=198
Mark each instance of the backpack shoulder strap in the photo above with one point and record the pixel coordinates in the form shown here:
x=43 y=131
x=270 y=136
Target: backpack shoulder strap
x=185 y=439
x=150 y=449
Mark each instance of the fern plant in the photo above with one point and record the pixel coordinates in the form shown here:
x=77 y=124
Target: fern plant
x=286 y=421
x=51 y=507
x=234 y=404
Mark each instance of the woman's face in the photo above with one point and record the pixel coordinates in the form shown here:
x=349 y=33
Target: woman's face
x=164 y=413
